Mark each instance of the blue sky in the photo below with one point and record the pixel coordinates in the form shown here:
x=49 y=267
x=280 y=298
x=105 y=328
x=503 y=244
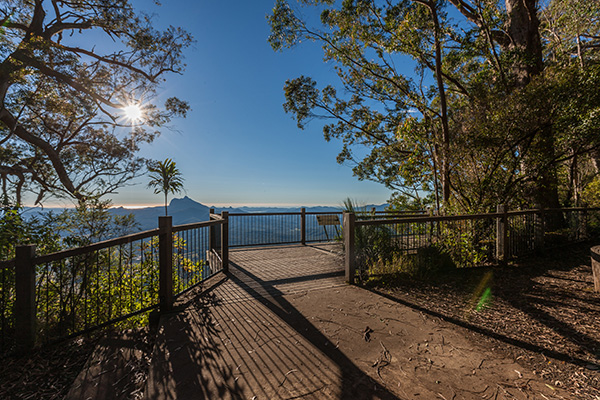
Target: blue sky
x=237 y=146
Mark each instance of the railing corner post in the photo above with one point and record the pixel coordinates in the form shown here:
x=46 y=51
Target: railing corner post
x=303 y=226
x=25 y=307
x=165 y=263
x=225 y=241
x=349 y=246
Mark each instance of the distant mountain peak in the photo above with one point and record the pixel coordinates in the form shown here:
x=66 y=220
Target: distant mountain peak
x=184 y=201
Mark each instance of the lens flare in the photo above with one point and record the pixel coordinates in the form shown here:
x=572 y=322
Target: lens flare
x=133 y=112
x=482 y=296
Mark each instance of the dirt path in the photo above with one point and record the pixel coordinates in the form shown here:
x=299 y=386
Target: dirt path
x=284 y=325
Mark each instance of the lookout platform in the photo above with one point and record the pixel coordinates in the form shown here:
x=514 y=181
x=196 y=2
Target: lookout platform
x=282 y=324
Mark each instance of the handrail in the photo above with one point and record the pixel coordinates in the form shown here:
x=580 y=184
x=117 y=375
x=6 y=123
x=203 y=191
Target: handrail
x=194 y=225
x=440 y=218
x=427 y=219
x=263 y=214
x=211 y=242
x=218 y=221
x=46 y=258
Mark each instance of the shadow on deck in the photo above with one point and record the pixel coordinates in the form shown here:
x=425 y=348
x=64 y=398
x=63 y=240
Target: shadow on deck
x=244 y=338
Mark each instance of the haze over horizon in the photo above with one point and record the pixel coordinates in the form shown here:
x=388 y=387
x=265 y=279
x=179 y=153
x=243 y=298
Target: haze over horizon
x=220 y=205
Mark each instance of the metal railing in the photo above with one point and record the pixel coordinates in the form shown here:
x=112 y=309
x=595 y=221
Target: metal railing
x=257 y=229
x=426 y=243
x=54 y=296
x=249 y=229
x=59 y=295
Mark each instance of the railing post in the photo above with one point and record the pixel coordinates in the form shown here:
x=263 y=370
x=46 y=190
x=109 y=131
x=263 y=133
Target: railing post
x=538 y=231
x=25 y=309
x=429 y=232
x=225 y=241
x=303 y=226
x=212 y=233
x=501 y=234
x=349 y=246
x=165 y=263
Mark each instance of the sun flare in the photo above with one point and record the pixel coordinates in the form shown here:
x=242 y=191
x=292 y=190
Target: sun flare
x=133 y=112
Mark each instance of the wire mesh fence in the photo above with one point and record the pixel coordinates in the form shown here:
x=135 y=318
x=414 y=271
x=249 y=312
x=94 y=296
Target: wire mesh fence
x=118 y=281
x=422 y=245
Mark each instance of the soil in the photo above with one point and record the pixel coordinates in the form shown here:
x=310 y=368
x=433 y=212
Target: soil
x=542 y=312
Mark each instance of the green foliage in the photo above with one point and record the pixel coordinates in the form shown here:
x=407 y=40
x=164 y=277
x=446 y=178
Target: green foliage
x=591 y=194
x=165 y=178
x=92 y=222
x=15 y=230
x=494 y=117
x=382 y=250
x=93 y=288
x=424 y=263
x=468 y=245
x=416 y=202
x=62 y=128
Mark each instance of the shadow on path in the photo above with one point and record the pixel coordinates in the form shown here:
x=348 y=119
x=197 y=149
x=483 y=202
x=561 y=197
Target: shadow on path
x=355 y=384
x=244 y=339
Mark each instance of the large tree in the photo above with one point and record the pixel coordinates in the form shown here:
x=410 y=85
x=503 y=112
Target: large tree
x=68 y=72
x=488 y=114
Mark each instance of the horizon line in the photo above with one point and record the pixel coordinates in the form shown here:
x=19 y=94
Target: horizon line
x=218 y=205
x=233 y=205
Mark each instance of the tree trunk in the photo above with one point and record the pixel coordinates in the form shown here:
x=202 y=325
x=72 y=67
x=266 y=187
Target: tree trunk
x=524 y=31
x=526 y=46
x=445 y=162
x=443 y=107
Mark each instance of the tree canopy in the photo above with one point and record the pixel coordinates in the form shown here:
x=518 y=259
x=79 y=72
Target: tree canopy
x=500 y=104
x=68 y=70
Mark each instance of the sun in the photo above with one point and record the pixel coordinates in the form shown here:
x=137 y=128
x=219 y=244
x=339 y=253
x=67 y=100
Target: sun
x=133 y=112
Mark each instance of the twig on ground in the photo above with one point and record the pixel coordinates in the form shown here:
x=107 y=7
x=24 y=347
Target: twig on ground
x=286 y=375
x=383 y=360
x=367 y=334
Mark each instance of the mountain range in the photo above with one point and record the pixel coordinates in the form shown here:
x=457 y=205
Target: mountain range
x=186 y=211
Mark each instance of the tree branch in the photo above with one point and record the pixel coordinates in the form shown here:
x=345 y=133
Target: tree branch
x=10 y=121
x=151 y=78
x=19 y=55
